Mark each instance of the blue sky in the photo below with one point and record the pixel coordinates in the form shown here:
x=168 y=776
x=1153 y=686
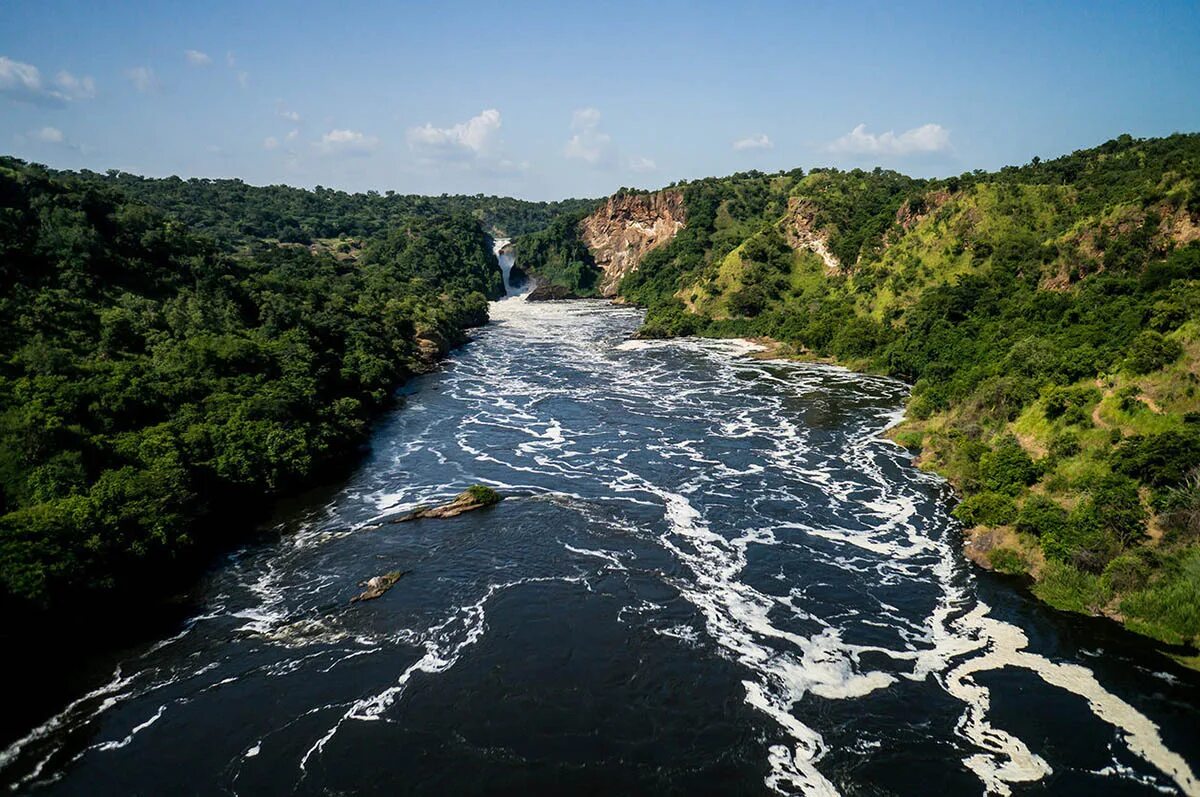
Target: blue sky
x=547 y=100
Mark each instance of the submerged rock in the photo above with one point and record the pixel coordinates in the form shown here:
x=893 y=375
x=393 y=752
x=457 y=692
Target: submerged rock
x=377 y=586
x=547 y=292
x=477 y=496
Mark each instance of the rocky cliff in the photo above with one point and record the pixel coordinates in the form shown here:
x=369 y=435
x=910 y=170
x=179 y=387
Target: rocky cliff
x=626 y=227
x=802 y=232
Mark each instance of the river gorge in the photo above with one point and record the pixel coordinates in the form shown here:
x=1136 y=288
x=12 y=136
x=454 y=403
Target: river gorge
x=710 y=574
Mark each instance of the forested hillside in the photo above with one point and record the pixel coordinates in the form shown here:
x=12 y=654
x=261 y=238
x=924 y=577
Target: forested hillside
x=234 y=213
x=150 y=380
x=1047 y=316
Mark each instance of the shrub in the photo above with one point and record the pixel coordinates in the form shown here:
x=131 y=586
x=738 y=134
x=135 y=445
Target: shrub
x=1007 y=560
x=1180 y=507
x=749 y=301
x=1007 y=468
x=1126 y=573
x=1169 y=608
x=1083 y=541
x=1151 y=351
x=1041 y=516
x=483 y=494
x=1127 y=399
x=986 y=509
x=1060 y=400
x=1064 y=445
x=1160 y=460
x=1119 y=508
x=1065 y=587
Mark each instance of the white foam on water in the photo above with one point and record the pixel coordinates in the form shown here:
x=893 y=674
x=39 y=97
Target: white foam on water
x=115 y=745
x=961 y=645
x=608 y=556
x=1010 y=760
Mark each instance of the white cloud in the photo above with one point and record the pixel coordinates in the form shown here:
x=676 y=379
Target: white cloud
x=473 y=138
x=75 y=88
x=270 y=142
x=292 y=135
x=926 y=138
x=19 y=80
x=348 y=142
x=642 y=165
x=48 y=135
x=589 y=143
x=230 y=59
x=757 y=141
x=143 y=79
x=197 y=58
x=243 y=79
x=291 y=116
x=23 y=82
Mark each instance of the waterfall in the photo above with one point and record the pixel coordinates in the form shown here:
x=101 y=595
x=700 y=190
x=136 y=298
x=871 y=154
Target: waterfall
x=507 y=260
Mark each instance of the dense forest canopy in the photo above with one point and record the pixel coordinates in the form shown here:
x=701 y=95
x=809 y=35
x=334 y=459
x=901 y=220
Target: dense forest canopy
x=234 y=213
x=149 y=379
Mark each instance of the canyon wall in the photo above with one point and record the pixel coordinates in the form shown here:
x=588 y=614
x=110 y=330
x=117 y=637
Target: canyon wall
x=626 y=227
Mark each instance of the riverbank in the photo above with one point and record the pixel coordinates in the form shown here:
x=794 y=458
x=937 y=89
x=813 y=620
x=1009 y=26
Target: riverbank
x=1008 y=548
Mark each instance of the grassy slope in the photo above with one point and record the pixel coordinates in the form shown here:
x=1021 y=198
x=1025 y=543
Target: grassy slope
x=1024 y=305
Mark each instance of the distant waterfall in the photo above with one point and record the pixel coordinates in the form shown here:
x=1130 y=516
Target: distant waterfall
x=506 y=262
x=507 y=259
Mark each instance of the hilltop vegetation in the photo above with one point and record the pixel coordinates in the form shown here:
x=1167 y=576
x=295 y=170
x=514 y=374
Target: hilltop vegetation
x=234 y=213
x=150 y=381
x=1048 y=318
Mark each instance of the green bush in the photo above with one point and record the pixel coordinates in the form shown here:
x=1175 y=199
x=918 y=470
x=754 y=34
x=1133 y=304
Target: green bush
x=986 y=509
x=1150 y=351
x=1007 y=468
x=1160 y=460
x=1060 y=400
x=1180 y=507
x=1169 y=607
x=1041 y=516
x=1084 y=542
x=1119 y=508
x=1126 y=573
x=1064 y=445
x=482 y=494
x=1008 y=561
x=1070 y=589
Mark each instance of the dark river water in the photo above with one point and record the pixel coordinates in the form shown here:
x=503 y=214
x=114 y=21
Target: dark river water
x=710 y=576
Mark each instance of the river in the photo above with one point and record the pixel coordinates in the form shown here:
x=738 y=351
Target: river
x=710 y=575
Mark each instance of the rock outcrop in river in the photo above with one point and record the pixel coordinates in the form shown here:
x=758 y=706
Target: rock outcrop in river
x=477 y=496
x=548 y=291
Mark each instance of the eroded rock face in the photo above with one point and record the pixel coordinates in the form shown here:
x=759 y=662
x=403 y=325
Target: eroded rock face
x=801 y=230
x=628 y=226
x=913 y=211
